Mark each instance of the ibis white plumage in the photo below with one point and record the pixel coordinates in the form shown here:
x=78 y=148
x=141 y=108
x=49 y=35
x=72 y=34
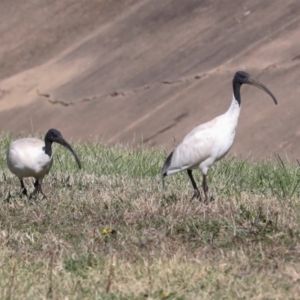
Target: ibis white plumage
x=211 y=141
x=31 y=157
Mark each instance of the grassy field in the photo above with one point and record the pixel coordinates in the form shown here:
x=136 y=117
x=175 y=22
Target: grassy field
x=110 y=231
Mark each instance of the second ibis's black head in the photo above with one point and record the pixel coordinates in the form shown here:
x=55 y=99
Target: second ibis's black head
x=242 y=77
x=54 y=136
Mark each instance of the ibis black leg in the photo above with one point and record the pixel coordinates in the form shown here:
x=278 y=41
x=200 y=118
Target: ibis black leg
x=196 y=191
x=38 y=189
x=23 y=188
x=205 y=189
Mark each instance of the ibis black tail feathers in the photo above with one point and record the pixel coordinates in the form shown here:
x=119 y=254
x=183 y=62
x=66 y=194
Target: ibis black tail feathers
x=166 y=165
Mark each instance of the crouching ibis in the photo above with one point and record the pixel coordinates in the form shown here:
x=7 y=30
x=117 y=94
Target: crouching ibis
x=32 y=157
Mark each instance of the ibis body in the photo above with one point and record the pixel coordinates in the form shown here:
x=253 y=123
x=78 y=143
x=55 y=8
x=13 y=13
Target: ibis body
x=32 y=157
x=211 y=141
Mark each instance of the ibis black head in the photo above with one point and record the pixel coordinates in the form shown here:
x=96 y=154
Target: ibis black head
x=242 y=77
x=54 y=136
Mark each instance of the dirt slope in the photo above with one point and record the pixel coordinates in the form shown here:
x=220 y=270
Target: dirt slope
x=150 y=69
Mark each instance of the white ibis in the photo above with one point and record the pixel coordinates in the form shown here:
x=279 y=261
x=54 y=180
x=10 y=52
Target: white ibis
x=31 y=157
x=211 y=141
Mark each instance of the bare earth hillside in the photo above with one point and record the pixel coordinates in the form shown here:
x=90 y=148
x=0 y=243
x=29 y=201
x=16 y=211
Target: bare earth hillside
x=150 y=70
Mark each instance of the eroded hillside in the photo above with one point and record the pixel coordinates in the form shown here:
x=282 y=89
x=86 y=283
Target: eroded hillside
x=129 y=70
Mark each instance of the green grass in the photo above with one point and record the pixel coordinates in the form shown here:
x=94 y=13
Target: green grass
x=110 y=230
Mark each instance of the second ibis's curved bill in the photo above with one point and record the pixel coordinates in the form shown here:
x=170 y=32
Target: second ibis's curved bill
x=256 y=83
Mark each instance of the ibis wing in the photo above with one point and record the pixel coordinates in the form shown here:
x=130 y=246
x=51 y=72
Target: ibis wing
x=25 y=158
x=190 y=153
x=167 y=164
x=196 y=147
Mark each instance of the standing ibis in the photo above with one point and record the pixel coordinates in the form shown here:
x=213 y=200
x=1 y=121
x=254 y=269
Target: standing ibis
x=211 y=141
x=31 y=157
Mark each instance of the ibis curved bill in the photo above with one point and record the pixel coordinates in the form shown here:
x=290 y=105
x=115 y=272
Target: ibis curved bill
x=211 y=141
x=31 y=157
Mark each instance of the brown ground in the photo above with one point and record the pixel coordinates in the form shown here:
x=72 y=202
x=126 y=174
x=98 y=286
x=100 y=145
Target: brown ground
x=124 y=70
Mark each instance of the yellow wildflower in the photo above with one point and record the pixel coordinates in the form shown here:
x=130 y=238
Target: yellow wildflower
x=106 y=231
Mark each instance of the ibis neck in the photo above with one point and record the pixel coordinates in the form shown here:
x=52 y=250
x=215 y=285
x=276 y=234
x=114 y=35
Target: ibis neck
x=234 y=110
x=48 y=148
x=237 y=91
